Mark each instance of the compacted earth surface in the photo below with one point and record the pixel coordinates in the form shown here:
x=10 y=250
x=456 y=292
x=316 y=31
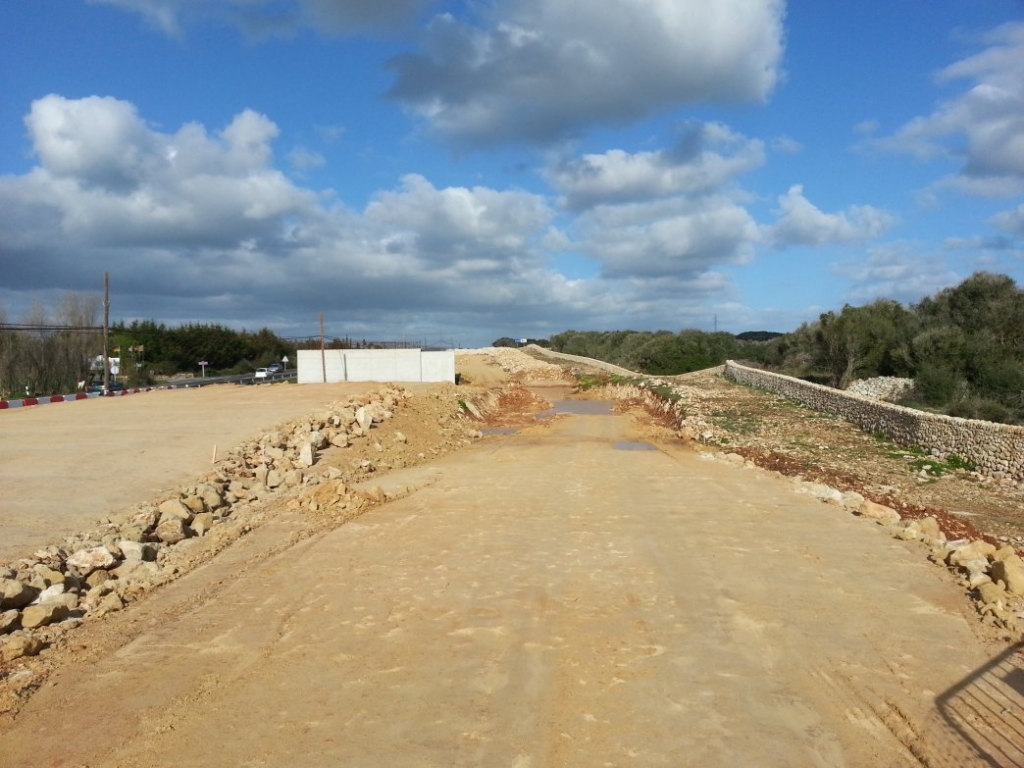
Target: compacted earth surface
x=502 y=572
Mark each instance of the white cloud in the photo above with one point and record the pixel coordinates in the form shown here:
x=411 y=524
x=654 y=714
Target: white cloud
x=866 y=127
x=476 y=229
x=801 y=223
x=1011 y=221
x=674 y=237
x=786 y=145
x=304 y=160
x=706 y=158
x=107 y=177
x=536 y=70
x=189 y=222
x=268 y=18
x=900 y=271
x=982 y=129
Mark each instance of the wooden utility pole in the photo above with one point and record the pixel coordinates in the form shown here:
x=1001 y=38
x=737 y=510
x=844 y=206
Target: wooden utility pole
x=106 y=332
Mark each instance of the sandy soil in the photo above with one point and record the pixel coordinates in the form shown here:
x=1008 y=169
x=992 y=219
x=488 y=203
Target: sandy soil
x=584 y=592
x=63 y=466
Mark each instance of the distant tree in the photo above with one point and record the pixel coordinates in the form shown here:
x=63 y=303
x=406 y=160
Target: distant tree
x=758 y=335
x=504 y=341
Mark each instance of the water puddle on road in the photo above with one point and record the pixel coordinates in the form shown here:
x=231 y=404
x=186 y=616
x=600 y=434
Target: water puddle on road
x=629 y=446
x=578 y=408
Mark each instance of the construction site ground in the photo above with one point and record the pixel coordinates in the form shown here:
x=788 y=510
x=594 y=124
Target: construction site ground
x=580 y=589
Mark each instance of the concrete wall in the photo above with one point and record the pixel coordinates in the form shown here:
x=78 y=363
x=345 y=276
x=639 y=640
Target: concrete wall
x=996 y=449
x=438 y=366
x=397 y=365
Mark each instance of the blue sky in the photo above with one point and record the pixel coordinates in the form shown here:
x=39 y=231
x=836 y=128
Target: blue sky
x=460 y=171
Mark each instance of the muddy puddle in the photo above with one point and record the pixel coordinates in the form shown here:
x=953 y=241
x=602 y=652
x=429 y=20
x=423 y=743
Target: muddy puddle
x=578 y=408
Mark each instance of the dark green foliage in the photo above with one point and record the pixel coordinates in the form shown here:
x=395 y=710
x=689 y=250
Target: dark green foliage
x=171 y=350
x=758 y=335
x=964 y=348
x=660 y=353
x=507 y=341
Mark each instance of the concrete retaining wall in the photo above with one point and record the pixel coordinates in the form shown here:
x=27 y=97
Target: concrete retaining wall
x=996 y=449
x=395 y=365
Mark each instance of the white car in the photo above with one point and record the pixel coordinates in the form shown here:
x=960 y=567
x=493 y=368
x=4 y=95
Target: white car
x=262 y=373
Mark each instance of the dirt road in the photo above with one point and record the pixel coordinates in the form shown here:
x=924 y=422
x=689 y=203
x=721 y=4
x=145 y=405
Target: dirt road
x=566 y=596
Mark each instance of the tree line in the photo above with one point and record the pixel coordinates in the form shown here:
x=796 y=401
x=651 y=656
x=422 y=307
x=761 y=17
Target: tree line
x=963 y=347
x=53 y=351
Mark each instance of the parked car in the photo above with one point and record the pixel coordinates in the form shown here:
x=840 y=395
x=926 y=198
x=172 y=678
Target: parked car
x=97 y=386
x=262 y=373
x=275 y=368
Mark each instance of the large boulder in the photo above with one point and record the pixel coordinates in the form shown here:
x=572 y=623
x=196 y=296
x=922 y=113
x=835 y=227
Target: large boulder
x=171 y=530
x=20 y=646
x=971 y=551
x=16 y=594
x=42 y=614
x=85 y=561
x=879 y=512
x=1010 y=572
x=175 y=508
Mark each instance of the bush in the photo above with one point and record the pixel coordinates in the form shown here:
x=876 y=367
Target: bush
x=936 y=385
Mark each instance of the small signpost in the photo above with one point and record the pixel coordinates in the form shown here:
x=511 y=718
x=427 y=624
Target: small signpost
x=203 y=364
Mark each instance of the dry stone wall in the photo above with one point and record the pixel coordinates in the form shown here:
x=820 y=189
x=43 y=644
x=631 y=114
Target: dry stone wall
x=996 y=449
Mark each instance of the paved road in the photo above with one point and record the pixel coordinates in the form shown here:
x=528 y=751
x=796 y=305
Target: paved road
x=555 y=598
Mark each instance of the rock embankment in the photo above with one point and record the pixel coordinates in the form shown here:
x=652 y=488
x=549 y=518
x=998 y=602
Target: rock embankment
x=103 y=570
x=889 y=388
x=523 y=368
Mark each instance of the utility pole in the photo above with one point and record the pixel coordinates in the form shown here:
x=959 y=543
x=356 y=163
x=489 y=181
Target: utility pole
x=106 y=332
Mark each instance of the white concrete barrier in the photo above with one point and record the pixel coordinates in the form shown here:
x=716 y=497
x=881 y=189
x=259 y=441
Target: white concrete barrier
x=396 y=365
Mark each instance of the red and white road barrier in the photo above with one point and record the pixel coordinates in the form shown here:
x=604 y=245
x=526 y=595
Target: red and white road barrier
x=25 y=401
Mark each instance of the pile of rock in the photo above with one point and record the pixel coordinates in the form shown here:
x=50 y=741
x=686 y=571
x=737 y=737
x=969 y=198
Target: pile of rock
x=889 y=388
x=94 y=573
x=521 y=365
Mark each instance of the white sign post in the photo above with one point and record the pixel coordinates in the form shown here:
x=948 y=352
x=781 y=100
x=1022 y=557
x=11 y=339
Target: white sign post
x=203 y=364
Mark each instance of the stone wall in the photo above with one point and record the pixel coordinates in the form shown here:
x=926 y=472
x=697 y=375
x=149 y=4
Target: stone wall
x=996 y=449
x=588 y=361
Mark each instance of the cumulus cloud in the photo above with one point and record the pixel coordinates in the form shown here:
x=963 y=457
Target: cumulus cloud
x=901 y=271
x=982 y=129
x=107 y=177
x=800 y=222
x=266 y=18
x=674 y=237
x=705 y=158
x=1011 y=221
x=462 y=230
x=535 y=70
x=191 y=221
